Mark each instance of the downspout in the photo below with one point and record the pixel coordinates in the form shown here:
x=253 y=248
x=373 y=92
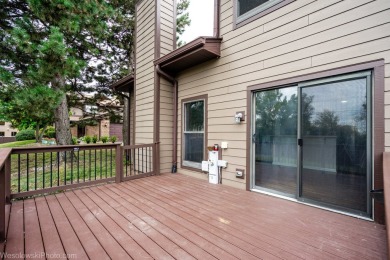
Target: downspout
x=175 y=108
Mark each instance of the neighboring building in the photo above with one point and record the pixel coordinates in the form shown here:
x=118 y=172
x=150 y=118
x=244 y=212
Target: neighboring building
x=308 y=78
x=94 y=119
x=6 y=129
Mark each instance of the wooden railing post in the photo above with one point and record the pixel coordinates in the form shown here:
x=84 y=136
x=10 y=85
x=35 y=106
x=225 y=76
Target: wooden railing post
x=7 y=169
x=156 y=158
x=2 y=202
x=119 y=164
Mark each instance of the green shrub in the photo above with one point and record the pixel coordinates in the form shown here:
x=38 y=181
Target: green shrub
x=74 y=140
x=94 y=139
x=27 y=134
x=104 y=139
x=113 y=139
x=50 y=132
x=87 y=139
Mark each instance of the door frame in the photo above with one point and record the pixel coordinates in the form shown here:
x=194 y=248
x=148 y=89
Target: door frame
x=377 y=115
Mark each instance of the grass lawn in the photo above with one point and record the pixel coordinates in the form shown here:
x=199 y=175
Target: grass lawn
x=39 y=170
x=19 y=144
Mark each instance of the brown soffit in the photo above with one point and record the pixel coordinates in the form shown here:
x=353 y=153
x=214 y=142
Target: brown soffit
x=200 y=50
x=124 y=84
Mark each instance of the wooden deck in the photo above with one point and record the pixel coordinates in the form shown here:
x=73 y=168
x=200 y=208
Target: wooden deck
x=179 y=217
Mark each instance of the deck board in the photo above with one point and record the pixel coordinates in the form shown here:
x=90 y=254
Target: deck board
x=33 y=236
x=179 y=217
x=15 y=237
x=109 y=242
x=90 y=244
x=51 y=239
x=288 y=231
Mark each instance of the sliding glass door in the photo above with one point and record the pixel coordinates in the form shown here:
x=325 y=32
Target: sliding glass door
x=312 y=141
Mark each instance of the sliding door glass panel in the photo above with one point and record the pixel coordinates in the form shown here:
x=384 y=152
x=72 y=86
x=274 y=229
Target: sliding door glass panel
x=334 y=150
x=275 y=140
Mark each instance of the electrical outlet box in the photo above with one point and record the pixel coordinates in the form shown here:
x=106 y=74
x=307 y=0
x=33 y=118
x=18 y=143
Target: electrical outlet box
x=224 y=145
x=240 y=173
x=222 y=163
x=205 y=166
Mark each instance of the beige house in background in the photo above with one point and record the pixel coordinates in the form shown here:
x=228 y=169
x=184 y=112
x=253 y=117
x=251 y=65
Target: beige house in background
x=97 y=113
x=6 y=129
x=296 y=90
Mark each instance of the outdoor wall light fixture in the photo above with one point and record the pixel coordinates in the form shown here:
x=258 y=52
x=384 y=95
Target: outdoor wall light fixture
x=239 y=117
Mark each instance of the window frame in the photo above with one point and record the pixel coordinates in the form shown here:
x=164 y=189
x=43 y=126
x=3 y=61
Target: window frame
x=257 y=12
x=189 y=164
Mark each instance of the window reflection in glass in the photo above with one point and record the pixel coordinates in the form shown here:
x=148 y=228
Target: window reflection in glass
x=276 y=139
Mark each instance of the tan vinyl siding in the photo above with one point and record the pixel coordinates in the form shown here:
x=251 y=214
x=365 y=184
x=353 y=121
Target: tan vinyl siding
x=144 y=73
x=166 y=89
x=303 y=37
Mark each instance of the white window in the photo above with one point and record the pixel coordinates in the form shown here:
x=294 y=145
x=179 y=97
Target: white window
x=193 y=133
x=249 y=8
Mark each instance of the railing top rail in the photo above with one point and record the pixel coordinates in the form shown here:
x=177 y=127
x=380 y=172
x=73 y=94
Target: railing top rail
x=60 y=148
x=4 y=154
x=137 y=146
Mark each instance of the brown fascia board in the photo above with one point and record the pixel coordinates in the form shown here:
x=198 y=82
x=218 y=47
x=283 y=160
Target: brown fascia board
x=124 y=84
x=193 y=53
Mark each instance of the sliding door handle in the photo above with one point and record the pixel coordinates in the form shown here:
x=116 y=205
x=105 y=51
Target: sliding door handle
x=300 y=141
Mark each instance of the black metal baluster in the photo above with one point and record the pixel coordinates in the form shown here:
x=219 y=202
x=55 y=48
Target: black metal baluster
x=95 y=164
x=101 y=163
x=28 y=166
x=18 y=172
x=106 y=151
x=142 y=156
x=36 y=173
x=65 y=168
x=78 y=165
x=132 y=154
x=51 y=169
x=138 y=160
x=84 y=166
x=58 y=169
x=90 y=165
x=147 y=158
x=111 y=162
x=71 y=166
x=43 y=170
x=150 y=159
x=126 y=161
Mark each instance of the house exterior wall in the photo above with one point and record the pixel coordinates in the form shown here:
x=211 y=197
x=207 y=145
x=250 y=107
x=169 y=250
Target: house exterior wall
x=144 y=76
x=302 y=37
x=7 y=129
x=116 y=129
x=166 y=88
x=73 y=131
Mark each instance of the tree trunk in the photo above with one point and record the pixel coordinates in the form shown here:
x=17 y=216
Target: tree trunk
x=37 y=133
x=61 y=114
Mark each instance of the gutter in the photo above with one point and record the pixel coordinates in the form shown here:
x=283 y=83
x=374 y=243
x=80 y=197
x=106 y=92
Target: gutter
x=175 y=108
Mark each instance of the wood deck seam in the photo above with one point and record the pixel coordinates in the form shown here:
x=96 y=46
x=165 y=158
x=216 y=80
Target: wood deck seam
x=161 y=223
x=191 y=197
x=66 y=194
x=142 y=246
x=247 y=214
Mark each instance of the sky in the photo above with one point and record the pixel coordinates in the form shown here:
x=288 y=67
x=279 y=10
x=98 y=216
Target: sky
x=202 y=20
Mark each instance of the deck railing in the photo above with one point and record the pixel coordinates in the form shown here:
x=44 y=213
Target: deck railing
x=386 y=186
x=33 y=171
